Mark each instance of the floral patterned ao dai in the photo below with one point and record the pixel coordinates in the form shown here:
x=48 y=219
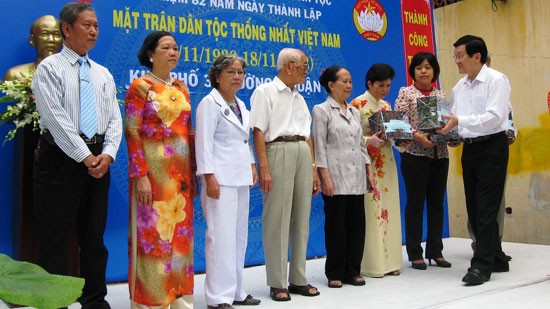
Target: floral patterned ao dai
x=160 y=142
x=382 y=253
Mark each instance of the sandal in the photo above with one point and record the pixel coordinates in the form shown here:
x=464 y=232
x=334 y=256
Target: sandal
x=394 y=273
x=334 y=284
x=275 y=294
x=356 y=281
x=303 y=290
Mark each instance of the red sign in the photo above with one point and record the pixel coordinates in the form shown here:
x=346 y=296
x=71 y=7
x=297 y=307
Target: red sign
x=417 y=29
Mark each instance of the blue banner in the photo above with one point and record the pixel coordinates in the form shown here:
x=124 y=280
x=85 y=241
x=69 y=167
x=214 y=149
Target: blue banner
x=353 y=34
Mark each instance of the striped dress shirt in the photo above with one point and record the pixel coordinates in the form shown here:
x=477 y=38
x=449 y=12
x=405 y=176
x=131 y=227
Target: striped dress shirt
x=56 y=89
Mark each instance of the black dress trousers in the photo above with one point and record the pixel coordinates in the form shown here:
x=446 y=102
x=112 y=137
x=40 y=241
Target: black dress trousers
x=344 y=235
x=425 y=181
x=484 y=165
x=67 y=196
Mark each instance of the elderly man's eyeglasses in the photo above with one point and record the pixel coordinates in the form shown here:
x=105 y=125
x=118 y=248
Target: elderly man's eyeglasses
x=302 y=65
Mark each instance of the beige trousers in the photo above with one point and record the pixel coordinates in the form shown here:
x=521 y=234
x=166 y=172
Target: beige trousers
x=286 y=210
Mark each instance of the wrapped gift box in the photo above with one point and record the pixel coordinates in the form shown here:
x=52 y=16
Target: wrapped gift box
x=450 y=137
x=430 y=109
x=511 y=132
x=392 y=124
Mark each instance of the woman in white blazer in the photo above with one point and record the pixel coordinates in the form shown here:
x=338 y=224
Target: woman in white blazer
x=227 y=170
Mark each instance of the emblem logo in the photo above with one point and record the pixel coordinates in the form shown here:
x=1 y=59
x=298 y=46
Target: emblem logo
x=370 y=19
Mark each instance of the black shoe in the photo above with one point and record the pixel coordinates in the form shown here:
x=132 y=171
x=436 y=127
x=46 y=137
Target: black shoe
x=475 y=277
x=508 y=258
x=98 y=304
x=419 y=266
x=221 y=306
x=501 y=268
x=248 y=301
x=440 y=262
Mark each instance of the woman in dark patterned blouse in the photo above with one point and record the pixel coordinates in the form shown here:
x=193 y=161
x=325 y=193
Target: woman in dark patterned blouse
x=424 y=166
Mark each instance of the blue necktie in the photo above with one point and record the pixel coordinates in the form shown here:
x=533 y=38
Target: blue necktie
x=88 y=119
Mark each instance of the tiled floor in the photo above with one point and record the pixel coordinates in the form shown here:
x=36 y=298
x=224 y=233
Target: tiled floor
x=527 y=285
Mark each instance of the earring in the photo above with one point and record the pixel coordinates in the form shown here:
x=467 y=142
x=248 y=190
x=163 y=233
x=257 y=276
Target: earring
x=151 y=59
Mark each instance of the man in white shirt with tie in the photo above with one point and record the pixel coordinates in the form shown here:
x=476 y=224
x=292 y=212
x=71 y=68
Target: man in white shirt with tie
x=481 y=102
x=71 y=169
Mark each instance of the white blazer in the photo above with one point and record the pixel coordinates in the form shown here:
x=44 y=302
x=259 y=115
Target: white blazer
x=222 y=143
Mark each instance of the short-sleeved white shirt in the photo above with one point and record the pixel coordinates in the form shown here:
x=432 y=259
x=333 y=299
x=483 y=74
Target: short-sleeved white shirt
x=278 y=110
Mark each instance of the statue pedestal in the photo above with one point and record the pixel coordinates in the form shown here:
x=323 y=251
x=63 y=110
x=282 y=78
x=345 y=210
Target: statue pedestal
x=24 y=232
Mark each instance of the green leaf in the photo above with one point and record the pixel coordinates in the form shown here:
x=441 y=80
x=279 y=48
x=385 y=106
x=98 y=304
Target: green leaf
x=28 y=284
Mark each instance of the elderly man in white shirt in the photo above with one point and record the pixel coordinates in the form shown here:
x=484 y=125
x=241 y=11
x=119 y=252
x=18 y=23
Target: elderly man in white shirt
x=281 y=121
x=480 y=111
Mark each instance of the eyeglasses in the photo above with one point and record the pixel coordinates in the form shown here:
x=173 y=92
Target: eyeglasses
x=303 y=65
x=231 y=72
x=459 y=57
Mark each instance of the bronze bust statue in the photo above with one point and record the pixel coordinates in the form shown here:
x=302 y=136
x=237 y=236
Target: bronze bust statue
x=45 y=37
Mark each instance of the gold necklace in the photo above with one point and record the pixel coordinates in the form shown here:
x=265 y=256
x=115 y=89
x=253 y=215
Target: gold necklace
x=169 y=84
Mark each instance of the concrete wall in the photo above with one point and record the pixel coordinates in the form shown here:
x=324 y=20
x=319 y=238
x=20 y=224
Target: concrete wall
x=518 y=38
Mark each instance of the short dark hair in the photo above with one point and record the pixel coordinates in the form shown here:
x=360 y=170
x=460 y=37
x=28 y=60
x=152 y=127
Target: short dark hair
x=419 y=58
x=330 y=74
x=69 y=13
x=379 y=72
x=149 y=45
x=219 y=64
x=474 y=44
